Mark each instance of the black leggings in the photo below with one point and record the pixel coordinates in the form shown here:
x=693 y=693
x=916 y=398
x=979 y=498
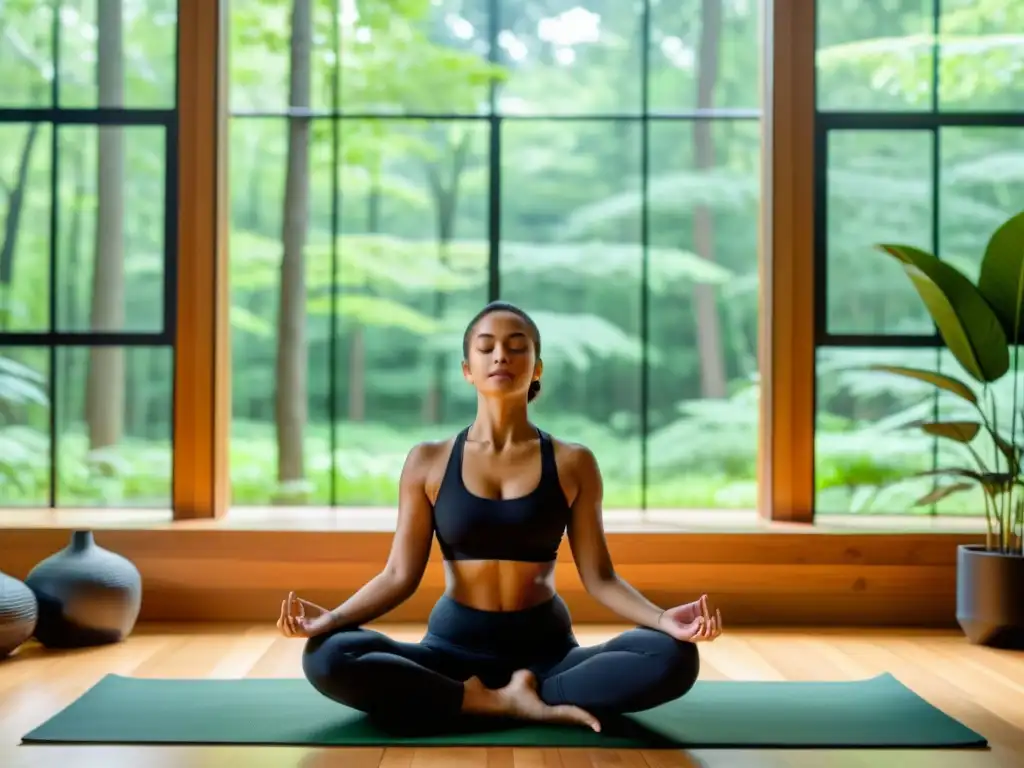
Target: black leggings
x=421 y=683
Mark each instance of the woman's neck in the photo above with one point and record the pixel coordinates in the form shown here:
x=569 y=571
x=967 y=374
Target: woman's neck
x=501 y=423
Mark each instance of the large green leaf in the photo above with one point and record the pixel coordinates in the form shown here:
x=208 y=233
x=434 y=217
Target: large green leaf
x=969 y=327
x=1001 y=280
x=940 y=380
x=994 y=483
x=941 y=492
x=960 y=431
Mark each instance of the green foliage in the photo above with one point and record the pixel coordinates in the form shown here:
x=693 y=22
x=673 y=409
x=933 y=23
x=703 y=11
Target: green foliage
x=20 y=385
x=939 y=380
x=401 y=255
x=21 y=449
x=968 y=324
x=1001 y=281
x=980 y=326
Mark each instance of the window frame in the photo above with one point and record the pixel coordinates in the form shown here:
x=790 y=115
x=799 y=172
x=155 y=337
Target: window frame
x=829 y=122
x=786 y=349
x=54 y=339
x=202 y=371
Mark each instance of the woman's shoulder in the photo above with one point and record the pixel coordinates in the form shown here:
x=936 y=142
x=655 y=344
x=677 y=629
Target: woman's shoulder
x=573 y=456
x=428 y=453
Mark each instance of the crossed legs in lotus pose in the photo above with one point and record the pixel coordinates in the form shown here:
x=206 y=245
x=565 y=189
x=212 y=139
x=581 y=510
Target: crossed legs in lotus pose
x=422 y=685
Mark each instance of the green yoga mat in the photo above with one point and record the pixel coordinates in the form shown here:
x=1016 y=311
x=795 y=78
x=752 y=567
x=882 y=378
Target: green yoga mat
x=878 y=712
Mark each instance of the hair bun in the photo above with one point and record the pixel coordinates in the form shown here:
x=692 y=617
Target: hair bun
x=534 y=390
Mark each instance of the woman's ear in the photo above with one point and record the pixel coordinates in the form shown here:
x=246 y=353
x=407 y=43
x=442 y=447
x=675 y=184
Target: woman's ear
x=466 y=373
x=538 y=370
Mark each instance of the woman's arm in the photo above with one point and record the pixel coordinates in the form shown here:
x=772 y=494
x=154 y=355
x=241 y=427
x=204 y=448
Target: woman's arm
x=590 y=549
x=410 y=549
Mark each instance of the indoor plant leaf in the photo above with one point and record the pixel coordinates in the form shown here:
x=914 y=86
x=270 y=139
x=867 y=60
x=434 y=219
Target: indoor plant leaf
x=1001 y=279
x=955 y=471
x=1009 y=451
x=940 y=380
x=941 y=492
x=969 y=327
x=960 y=431
x=995 y=483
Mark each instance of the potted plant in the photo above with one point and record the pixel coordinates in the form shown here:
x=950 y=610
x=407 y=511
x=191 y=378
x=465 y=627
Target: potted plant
x=981 y=326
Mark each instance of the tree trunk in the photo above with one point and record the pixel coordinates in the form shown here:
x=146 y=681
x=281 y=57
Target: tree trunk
x=446 y=197
x=104 y=394
x=292 y=352
x=15 y=206
x=709 y=333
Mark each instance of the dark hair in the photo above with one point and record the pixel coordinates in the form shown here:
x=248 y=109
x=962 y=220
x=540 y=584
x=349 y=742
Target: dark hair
x=504 y=306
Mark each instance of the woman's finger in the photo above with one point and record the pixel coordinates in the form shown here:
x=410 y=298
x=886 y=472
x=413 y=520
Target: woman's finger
x=698 y=632
x=313 y=605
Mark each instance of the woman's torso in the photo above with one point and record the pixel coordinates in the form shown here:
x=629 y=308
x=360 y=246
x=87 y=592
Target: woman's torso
x=499 y=518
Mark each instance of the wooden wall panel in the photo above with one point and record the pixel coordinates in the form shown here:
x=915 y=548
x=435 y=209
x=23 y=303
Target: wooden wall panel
x=756 y=578
x=202 y=397
x=786 y=450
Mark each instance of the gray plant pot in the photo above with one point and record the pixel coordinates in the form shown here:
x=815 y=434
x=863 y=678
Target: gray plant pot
x=18 y=614
x=990 y=597
x=87 y=595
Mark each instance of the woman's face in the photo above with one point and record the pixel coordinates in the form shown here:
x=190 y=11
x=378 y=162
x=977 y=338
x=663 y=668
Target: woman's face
x=502 y=360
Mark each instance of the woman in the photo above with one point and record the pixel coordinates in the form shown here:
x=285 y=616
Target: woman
x=499 y=642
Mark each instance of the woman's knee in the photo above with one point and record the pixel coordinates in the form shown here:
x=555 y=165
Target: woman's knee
x=678 y=661
x=327 y=660
x=684 y=660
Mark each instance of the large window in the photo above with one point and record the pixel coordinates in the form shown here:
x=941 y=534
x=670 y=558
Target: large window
x=919 y=140
x=395 y=165
x=87 y=251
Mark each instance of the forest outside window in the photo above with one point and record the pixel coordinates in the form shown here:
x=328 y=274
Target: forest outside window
x=87 y=251
x=393 y=166
x=919 y=130
x=595 y=161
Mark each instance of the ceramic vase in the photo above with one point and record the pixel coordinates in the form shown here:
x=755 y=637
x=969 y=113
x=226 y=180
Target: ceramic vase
x=87 y=595
x=18 y=614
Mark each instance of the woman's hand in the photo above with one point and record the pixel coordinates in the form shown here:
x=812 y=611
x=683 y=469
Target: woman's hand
x=295 y=623
x=692 y=622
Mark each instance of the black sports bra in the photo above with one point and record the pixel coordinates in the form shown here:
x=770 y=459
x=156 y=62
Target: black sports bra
x=527 y=528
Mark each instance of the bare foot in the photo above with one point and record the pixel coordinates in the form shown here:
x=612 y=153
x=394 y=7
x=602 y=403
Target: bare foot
x=523 y=702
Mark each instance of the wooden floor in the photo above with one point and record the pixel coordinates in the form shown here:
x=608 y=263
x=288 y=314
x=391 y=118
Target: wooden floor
x=981 y=687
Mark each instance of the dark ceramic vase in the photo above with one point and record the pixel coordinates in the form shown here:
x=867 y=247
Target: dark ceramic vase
x=87 y=595
x=18 y=614
x=990 y=597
